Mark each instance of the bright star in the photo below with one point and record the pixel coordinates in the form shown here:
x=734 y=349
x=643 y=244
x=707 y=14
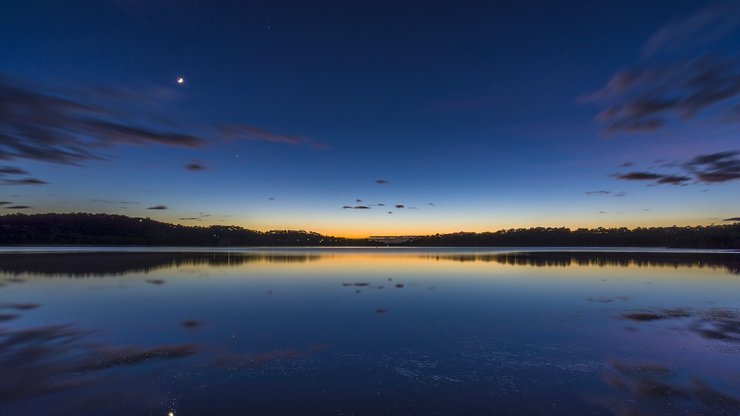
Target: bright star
x=180 y=80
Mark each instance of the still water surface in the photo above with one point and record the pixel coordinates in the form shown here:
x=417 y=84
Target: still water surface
x=369 y=332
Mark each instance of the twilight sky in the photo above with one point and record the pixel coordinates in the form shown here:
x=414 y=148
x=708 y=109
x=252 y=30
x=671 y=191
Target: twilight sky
x=466 y=116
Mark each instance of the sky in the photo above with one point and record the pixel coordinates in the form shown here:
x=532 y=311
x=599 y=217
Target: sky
x=373 y=118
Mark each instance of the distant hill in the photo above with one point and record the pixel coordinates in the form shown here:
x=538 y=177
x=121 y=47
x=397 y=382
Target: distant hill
x=114 y=230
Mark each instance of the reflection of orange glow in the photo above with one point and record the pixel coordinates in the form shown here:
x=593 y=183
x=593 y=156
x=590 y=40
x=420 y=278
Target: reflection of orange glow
x=384 y=263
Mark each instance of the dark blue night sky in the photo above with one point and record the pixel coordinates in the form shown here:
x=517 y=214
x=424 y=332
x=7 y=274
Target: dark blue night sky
x=472 y=115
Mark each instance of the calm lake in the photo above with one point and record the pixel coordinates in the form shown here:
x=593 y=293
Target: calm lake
x=369 y=332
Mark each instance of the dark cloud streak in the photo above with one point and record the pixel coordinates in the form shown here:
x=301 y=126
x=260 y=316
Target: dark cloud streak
x=11 y=170
x=73 y=126
x=709 y=168
x=195 y=166
x=715 y=167
x=647 y=176
x=24 y=181
x=43 y=125
x=683 y=82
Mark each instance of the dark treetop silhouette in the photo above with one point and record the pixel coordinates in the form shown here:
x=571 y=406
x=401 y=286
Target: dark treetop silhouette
x=104 y=229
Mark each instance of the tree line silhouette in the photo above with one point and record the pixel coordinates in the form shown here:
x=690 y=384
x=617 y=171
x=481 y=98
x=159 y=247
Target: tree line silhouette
x=713 y=236
x=107 y=229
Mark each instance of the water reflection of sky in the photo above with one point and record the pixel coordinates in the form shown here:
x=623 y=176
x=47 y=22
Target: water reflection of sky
x=369 y=332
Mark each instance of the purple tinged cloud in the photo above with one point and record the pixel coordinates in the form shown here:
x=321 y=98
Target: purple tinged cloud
x=74 y=126
x=681 y=87
x=256 y=134
x=708 y=168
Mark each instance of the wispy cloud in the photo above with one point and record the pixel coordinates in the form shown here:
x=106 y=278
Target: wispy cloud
x=655 y=177
x=107 y=201
x=706 y=26
x=251 y=133
x=257 y=134
x=73 y=126
x=24 y=181
x=158 y=207
x=708 y=168
x=70 y=127
x=381 y=181
x=657 y=95
x=12 y=170
x=680 y=76
x=197 y=218
x=715 y=167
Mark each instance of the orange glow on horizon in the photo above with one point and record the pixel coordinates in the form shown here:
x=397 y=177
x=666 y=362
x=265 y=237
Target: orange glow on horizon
x=364 y=231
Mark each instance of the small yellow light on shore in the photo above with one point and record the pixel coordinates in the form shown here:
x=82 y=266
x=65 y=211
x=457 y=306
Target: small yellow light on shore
x=172 y=413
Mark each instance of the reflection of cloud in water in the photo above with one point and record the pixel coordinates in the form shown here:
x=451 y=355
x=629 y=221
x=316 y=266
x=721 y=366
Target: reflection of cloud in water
x=713 y=324
x=653 y=389
x=191 y=323
x=608 y=300
x=657 y=315
x=19 y=306
x=36 y=362
x=66 y=366
x=249 y=360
